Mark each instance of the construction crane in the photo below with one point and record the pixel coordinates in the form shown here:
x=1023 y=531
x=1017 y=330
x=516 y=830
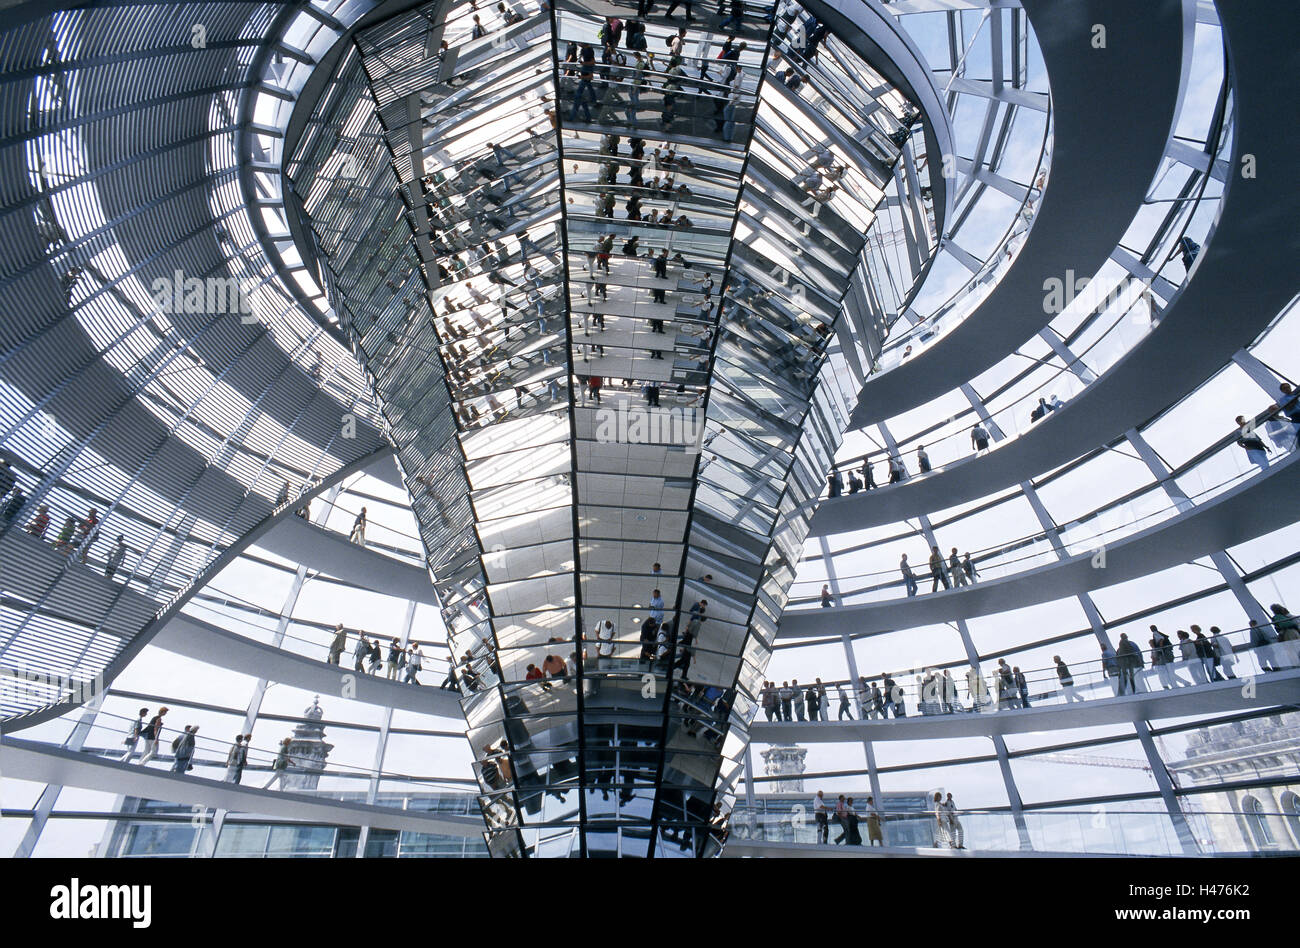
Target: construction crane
x=1126 y=762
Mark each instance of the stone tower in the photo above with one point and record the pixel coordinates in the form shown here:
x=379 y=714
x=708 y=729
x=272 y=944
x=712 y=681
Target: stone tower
x=307 y=751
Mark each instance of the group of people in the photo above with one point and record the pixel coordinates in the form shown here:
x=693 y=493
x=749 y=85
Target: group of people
x=406 y=661
x=628 y=66
x=149 y=730
x=1201 y=658
x=77 y=536
x=955 y=572
x=1205 y=659
x=845 y=815
x=896 y=469
x=791 y=702
x=1281 y=424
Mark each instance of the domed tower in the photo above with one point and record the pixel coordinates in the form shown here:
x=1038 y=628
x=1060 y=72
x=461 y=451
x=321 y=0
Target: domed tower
x=308 y=750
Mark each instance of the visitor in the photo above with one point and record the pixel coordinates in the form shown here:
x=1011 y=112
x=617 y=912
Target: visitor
x=338 y=644
x=941 y=837
x=1248 y=440
x=279 y=766
x=820 y=816
x=844 y=704
x=875 y=836
x=853 y=836
x=414 y=665
x=955 y=835
x=360 y=651
x=1128 y=657
x=813 y=701
x=237 y=759
x=1205 y=652
x=955 y=569
x=657 y=606
x=115 y=557
x=786 y=695
x=1287 y=627
x=1190 y=660
x=909 y=578
x=133 y=735
x=152 y=734
x=1066 y=679
x=183 y=749
x=937 y=571
x=1022 y=686
x=1223 y=650
x=1262 y=639
x=358 y=534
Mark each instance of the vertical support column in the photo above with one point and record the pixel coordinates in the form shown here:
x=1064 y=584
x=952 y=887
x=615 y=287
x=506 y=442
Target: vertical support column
x=1013 y=792
x=50 y=795
x=749 y=776
x=1161 y=774
x=381 y=746
x=1222 y=562
x=206 y=842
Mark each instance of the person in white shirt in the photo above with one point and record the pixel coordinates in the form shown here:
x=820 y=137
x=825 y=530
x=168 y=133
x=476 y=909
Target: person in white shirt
x=955 y=836
x=414 y=662
x=940 y=822
x=604 y=642
x=821 y=815
x=875 y=833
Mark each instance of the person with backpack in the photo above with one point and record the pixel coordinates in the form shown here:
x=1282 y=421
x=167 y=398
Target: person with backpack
x=152 y=733
x=237 y=758
x=133 y=735
x=1129 y=659
x=183 y=749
